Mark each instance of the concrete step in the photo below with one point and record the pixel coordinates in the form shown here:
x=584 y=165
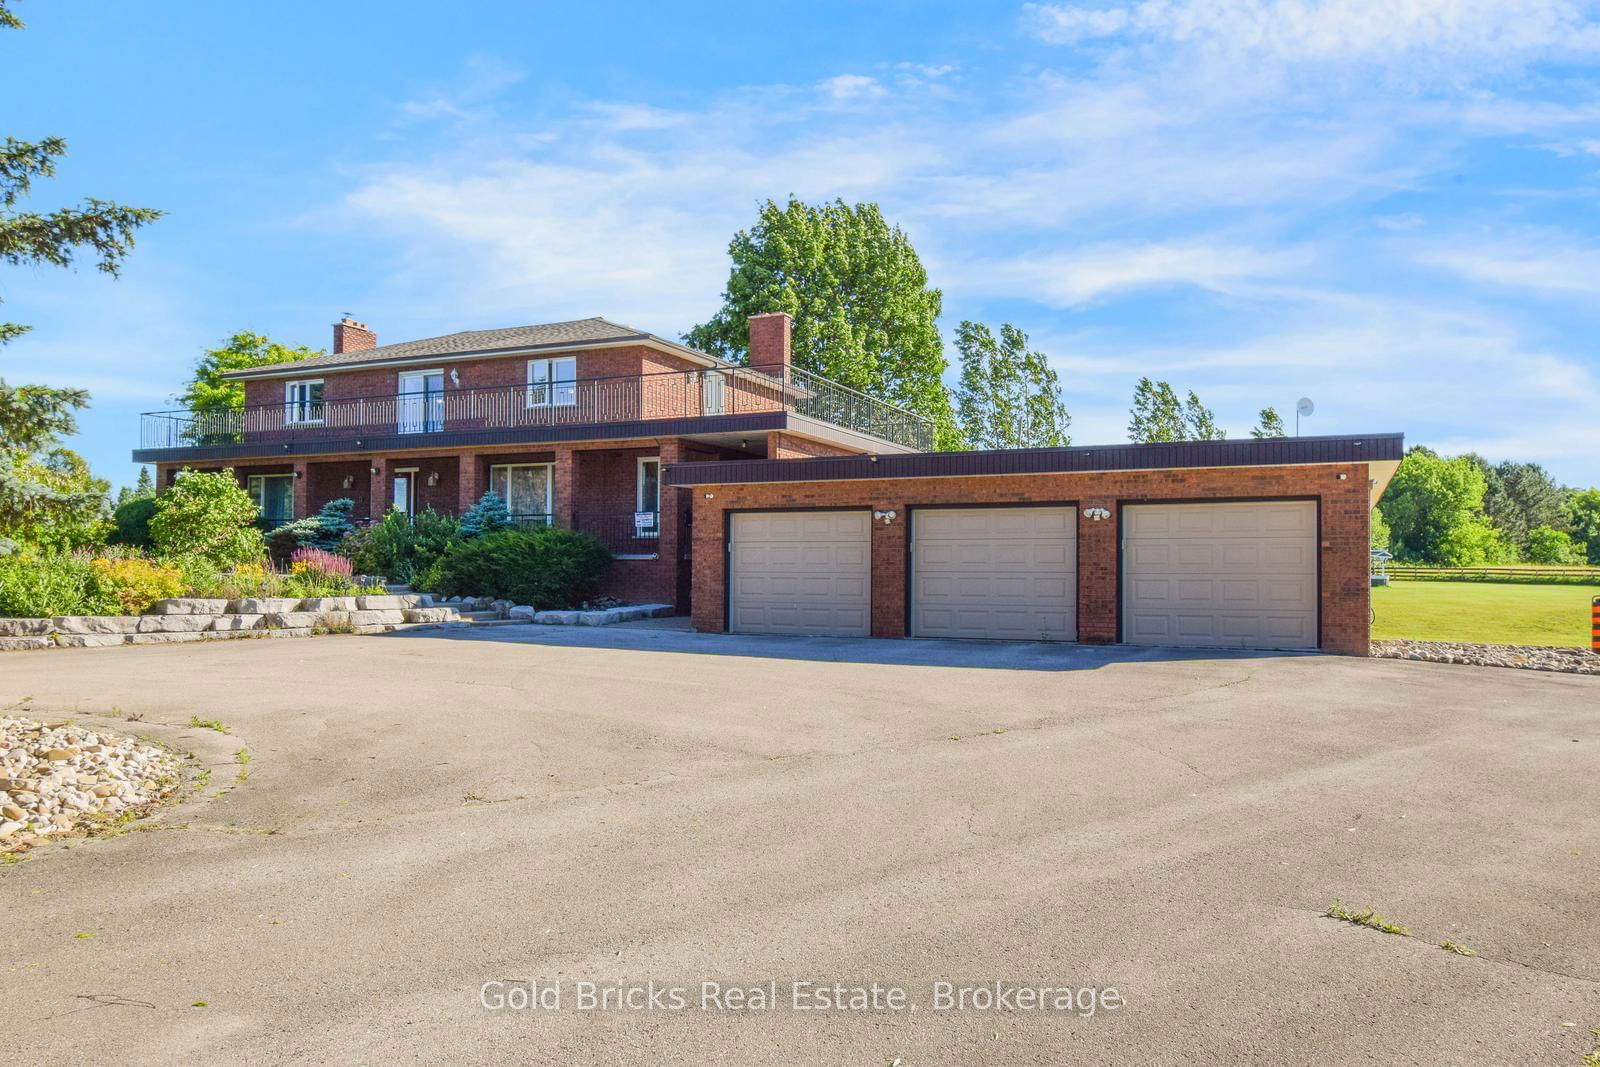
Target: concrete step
x=481 y=616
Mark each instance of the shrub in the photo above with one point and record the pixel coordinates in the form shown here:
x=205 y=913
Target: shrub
x=313 y=572
x=323 y=530
x=486 y=516
x=400 y=548
x=132 y=519
x=544 y=567
x=1549 y=545
x=135 y=584
x=34 y=585
x=207 y=516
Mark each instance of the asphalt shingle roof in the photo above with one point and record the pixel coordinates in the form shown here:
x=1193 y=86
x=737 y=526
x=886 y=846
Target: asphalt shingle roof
x=468 y=342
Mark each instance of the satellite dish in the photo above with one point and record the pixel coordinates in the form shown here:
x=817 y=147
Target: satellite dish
x=1303 y=406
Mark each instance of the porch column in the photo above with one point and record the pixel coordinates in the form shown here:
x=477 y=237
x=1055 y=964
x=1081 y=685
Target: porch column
x=302 y=489
x=671 y=452
x=566 y=484
x=381 y=494
x=470 y=481
x=1098 y=575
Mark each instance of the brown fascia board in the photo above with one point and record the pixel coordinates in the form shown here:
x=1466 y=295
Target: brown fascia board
x=1247 y=452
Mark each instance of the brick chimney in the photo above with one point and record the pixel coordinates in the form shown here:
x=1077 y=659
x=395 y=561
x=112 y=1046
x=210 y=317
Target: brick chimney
x=352 y=336
x=769 y=343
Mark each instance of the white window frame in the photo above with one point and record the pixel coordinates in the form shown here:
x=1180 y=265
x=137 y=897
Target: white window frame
x=256 y=486
x=638 y=494
x=549 y=486
x=550 y=391
x=423 y=401
x=297 y=410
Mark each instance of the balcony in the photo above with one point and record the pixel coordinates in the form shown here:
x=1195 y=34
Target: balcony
x=671 y=403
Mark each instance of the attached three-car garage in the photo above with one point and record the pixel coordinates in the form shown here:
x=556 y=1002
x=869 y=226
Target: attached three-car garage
x=1242 y=544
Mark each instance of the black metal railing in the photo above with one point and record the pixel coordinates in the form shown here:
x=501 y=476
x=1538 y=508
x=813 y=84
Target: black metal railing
x=672 y=394
x=635 y=533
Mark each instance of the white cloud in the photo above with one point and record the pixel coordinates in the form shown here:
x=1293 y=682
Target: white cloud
x=852 y=87
x=1546 y=263
x=1337 y=31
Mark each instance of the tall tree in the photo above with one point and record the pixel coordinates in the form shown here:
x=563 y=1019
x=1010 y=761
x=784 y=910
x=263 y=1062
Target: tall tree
x=1583 y=516
x=1268 y=424
x=208 y=392
x=47 y=495
x=1009 y=396
x=46 y=492
x=1201 y=424
x=1434 y=510
x=864 y=314
x=1521 y=498
x=1156 y=415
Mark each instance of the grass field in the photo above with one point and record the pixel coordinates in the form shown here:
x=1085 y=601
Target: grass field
x=1483 y=613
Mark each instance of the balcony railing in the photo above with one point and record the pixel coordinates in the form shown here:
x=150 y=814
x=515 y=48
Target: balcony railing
x=674 y=394
x=625 y=535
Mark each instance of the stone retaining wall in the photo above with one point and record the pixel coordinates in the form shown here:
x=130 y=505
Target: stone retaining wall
x=196 y=619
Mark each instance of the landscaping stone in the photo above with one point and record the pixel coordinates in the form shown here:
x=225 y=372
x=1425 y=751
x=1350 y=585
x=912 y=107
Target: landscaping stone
x=429 y=614
x=163 y=638
x=73 y=774
x=329 y=603
x=556 y=618
x=95 y=624
x=237 y=622
x=1525 y=657
x=24 y=627
x=296 y=631
x=155 y=624
x=521 y=611
x=263 y=605
x=90 y=640
x=289 y=620
x=386 y=617
x=188 y=606
x=380 y=603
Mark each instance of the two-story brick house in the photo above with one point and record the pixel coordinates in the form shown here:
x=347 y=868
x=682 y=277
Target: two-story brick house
x=571 y=422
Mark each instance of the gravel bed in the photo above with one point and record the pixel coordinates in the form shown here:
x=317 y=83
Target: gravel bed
x=56 y=777
x=1525 y=657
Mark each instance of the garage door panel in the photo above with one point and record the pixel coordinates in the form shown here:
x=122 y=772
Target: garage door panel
x=801 y=573
x=1008 y=573
x=1234 y=574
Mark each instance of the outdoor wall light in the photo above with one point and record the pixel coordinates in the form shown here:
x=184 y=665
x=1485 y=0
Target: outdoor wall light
x=455 y=376
x=1096 y=514
x=373 y=470
x=885 y=517
x=711 y=496
x=299 y=474
x=433 y=477
x=349 y=480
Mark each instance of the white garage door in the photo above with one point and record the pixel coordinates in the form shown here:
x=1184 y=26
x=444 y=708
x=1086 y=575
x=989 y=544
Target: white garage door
x=801 y=572
x=1220 y=575
x=995 y=572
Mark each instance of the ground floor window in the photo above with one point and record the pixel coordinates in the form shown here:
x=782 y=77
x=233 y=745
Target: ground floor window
x=526 y=488
x=274 y=495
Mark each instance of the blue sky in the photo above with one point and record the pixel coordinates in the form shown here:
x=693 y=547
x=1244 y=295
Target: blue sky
x=1386 y=205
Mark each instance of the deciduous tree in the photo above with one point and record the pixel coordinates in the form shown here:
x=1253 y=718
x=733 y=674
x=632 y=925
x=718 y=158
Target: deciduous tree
x=864 y=314
x=1268 y=424
x=207 y=391
x=1009 y=396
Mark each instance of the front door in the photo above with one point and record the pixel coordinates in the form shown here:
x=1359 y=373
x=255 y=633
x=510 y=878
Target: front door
x=405 y=492
x=421 y=403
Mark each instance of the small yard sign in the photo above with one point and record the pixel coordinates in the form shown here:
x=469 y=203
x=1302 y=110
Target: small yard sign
x=644 y=520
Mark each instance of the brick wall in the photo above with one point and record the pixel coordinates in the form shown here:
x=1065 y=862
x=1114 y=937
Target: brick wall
x=1344 y=511
x=782 y=445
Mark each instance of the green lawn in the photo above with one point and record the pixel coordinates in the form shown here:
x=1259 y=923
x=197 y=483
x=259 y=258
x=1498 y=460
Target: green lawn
x=1483 y=613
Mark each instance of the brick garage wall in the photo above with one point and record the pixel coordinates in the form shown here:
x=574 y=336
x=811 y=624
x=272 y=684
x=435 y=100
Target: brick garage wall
x=1345 y=589
x=787 y=446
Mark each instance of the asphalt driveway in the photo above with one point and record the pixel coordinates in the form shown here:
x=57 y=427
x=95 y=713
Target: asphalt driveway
x=428 y=813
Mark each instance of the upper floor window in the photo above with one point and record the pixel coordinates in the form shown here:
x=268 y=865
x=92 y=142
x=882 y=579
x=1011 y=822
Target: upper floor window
x=302 y=401
x=552 y=382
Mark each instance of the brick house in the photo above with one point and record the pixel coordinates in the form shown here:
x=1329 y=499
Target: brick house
x=764 y=499
x=571 y=422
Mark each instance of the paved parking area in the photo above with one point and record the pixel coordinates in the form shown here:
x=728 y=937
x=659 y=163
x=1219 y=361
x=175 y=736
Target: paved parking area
x=429 y=812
